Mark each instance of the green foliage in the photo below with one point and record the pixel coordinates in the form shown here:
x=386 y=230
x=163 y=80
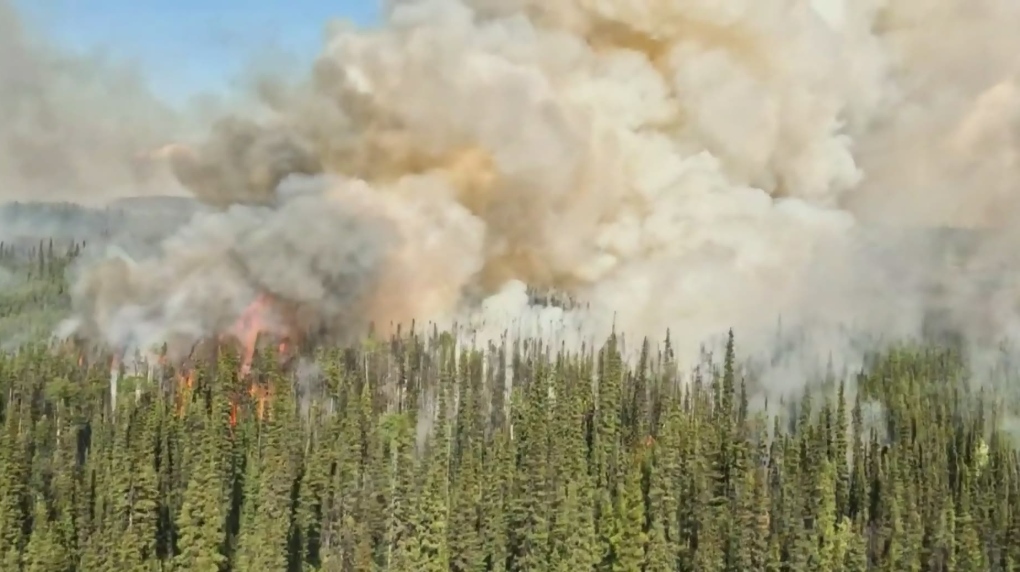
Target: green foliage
x=33 y=293
x=413 y=455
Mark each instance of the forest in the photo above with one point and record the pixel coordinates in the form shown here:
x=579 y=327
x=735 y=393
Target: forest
x=418 y=453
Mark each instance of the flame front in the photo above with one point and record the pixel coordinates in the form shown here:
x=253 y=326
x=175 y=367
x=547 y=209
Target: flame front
x=252 y=322
x=185 y=385
x=255 y=320
x=259 y=317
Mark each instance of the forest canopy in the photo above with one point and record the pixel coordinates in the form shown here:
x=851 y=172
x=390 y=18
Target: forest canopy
x=422 y=453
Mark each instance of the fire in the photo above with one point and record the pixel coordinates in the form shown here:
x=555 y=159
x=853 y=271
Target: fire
x=255 y=320
x=252 y=322
x=262 y=316
x=185 y=384
x=260 y=394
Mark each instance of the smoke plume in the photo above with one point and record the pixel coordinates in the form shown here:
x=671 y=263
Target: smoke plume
x=74 y=127
x=694 y=165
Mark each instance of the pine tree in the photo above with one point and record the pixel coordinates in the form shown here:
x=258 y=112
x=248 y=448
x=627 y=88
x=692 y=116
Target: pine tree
x=431 y=551
x=530 y=514
x=628 y=543
x=43 y=552
x=201 y=522
x=13 y=481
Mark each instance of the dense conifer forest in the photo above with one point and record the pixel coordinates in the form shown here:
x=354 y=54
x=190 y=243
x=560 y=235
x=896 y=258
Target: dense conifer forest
x=417 y=454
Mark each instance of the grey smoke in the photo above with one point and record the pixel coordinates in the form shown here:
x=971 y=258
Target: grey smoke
x=7 y=278
x=75 y=127
x=319 y=257
x=241 y=162
x=693 y=165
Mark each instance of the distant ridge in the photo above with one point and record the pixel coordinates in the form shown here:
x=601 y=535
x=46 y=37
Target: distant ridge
x=155 y=202
x=143 y=219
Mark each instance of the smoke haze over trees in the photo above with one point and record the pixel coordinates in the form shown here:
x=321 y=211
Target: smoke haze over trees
x=570 y=201
x=417 y=453
x=727 y=165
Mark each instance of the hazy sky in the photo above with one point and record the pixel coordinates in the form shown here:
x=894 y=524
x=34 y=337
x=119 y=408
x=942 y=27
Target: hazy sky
x=188 y=46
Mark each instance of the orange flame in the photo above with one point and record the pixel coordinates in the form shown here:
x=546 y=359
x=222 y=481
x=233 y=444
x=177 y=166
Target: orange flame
x=260 y=394
x=252 y=322
x=185 y=383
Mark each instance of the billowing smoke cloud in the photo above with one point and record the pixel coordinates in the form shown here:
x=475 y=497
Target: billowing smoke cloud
x=325 y=257
x=74 y=127
x=693 y=165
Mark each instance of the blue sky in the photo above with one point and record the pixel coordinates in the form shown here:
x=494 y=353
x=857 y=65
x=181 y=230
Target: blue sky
x=190 y=46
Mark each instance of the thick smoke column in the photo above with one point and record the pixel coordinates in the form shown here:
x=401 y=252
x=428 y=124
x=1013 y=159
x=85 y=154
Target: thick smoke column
x=693 y=165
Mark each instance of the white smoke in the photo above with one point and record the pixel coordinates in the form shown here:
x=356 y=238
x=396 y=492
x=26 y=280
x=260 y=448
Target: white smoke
x=696 y=165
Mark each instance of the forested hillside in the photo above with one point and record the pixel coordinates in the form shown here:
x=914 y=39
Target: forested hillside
x=414 y=454
x=33 y=292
